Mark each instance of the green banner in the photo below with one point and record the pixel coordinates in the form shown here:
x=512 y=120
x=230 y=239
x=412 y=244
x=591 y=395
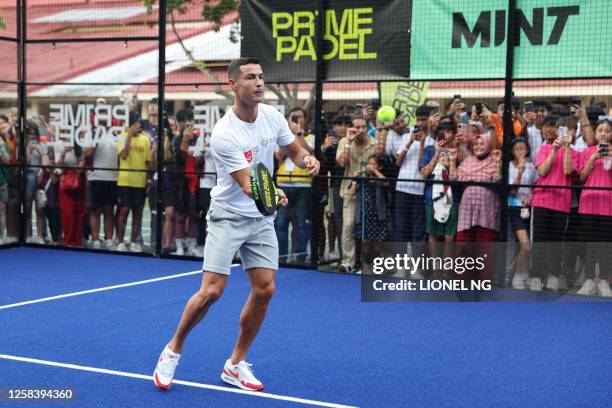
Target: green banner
x=467 y=39
x=405 y=96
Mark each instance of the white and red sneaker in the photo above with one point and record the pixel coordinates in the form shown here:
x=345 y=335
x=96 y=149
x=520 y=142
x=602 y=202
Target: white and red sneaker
x=164 y=372
x=241 y=376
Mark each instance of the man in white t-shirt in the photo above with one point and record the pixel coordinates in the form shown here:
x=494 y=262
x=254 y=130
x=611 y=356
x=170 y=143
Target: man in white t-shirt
x=246 y=135
x=103 y=188
x=410 y=201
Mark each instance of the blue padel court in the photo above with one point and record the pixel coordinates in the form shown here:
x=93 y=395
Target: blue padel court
x=96 y=324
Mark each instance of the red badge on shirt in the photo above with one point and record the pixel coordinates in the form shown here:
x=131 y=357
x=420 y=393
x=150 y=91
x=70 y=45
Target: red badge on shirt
x=248 y=155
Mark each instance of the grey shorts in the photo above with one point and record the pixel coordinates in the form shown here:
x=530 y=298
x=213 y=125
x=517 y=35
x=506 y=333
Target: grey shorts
x=229 y=232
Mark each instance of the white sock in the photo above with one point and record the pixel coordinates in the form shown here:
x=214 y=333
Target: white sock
x=191 y=242
x=172 y=353
x=179 y=242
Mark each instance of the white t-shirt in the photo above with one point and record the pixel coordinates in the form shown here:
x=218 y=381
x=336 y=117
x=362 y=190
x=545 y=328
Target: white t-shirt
x=394 y=143
x=106 y=156
x=203 y=146
x=237 y=145
x=530 y=176
x=410 y=166
x=536 y=140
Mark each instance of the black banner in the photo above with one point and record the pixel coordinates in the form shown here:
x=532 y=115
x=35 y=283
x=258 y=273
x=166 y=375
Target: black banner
x=363 y=39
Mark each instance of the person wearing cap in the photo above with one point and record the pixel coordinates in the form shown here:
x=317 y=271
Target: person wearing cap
x=436 y=164
x=134 y=150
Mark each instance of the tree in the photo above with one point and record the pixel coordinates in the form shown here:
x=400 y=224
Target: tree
x=2 y=23
x=215 y=11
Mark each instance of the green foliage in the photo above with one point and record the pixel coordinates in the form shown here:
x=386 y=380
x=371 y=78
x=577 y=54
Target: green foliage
x=2 y=23
x=217 y=12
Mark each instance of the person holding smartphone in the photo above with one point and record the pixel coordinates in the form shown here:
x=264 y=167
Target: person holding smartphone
x=339 y=126
x=36 y=156
x=555 y=162
x=409 y=214
x=596 y=207
x=534 y=115
x=134 y=150
x=441 y=205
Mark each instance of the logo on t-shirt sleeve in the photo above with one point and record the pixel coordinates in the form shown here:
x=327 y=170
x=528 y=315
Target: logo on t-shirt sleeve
x=248 y=155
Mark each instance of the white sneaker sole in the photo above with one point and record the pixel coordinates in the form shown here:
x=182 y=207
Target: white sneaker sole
x=234 y=381
x=158 y=384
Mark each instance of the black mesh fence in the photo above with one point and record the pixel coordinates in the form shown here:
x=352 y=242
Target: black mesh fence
x=437 y=135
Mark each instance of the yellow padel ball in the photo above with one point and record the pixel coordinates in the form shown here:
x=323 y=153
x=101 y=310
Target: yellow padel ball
x=386 y=114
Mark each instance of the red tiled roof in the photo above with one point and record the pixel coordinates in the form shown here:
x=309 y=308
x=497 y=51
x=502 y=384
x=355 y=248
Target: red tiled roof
x=68 y=60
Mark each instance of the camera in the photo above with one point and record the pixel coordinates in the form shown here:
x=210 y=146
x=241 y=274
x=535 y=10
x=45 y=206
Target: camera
x=417 y=128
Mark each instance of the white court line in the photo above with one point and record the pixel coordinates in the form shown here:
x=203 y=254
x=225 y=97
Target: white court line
x=181 y=382
x=85 y=292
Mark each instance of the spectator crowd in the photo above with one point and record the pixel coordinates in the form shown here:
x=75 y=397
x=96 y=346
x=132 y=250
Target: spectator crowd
x=434 y=185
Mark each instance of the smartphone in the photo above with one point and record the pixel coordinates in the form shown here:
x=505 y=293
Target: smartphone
x=603 y=148
x=562 y=133
x=528 y=106
x=375 y=103
x=295 y=119
x=478 y=106
x=417 y=128
x=434 y=109
x=576 y=101
x=331 y=133
x=359 y=107
x=457 y=97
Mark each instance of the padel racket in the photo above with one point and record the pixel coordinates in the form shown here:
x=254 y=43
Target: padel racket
x=264 y=190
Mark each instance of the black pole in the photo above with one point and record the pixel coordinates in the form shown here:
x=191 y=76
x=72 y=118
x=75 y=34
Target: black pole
x=508 y=126
x=161 y=115
x=319 y=122
x=23 y=106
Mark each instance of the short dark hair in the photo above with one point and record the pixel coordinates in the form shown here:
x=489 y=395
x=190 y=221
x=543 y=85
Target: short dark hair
x=4 y=118
x=345 y=119
x=359 y=117
x=550 y=120
x=542 y=103
x=184 y=115
x=234 y=67
x=133 y=118
x=297 y=108
x=422 y=111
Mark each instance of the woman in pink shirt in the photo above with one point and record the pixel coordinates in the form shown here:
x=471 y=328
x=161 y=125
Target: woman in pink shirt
x=596 y=207
x=555 y=162
x=479 y=207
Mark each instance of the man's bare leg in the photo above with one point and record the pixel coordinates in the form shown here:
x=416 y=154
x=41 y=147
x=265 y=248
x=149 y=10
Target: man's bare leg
x=254 y=310
x=210 y=291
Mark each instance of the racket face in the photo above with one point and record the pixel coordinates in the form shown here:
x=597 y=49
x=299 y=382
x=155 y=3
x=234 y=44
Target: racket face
x=264 y=190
